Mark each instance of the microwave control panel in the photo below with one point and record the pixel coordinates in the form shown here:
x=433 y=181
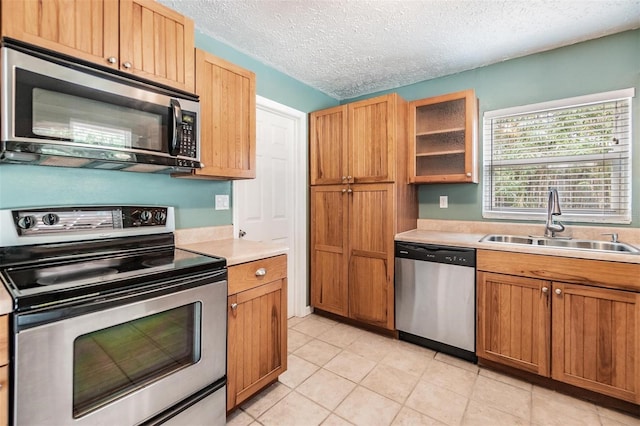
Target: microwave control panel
x=189 y=139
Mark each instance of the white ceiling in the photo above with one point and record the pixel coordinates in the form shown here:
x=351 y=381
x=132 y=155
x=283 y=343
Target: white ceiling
x=349 y=48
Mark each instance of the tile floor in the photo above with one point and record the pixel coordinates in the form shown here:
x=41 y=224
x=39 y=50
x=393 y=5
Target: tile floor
x=341 y=375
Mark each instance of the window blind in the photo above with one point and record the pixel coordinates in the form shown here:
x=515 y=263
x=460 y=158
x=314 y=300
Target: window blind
x=580 y=146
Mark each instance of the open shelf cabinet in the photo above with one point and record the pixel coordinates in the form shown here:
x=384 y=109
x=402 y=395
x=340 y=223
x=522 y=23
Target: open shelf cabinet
x=443 y=133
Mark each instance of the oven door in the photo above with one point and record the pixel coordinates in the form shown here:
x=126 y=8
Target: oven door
x=123 y=364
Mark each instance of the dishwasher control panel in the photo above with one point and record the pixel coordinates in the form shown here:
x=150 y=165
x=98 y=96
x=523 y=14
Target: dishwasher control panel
x=462 y=256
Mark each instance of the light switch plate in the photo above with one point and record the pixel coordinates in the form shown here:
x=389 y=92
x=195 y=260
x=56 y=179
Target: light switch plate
x=222 y=202
x=444 y=201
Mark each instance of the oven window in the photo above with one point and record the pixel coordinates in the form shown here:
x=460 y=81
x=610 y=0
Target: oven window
x=91 y=122
x=48 y=108
x=115 y=361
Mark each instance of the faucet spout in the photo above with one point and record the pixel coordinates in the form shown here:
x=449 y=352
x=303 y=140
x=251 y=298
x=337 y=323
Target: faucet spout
x=553 y=209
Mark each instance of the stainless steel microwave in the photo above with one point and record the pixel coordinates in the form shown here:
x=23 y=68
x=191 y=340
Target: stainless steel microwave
x=58 y=111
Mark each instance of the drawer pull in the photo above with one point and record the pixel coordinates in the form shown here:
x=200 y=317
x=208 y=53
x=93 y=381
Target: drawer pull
x=261 y=272
x=234 y=306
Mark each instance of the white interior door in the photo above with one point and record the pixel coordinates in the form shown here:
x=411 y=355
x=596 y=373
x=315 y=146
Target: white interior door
x=272 y=207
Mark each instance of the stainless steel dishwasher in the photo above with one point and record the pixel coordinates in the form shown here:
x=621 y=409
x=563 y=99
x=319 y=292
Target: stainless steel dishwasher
x=435 y=291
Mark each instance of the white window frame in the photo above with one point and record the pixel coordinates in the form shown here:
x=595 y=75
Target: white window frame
x=540 y=212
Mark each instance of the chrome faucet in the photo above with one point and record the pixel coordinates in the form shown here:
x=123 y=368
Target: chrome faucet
x=553 y=209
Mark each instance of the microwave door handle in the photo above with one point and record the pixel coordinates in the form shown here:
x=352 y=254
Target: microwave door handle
x=176 y=116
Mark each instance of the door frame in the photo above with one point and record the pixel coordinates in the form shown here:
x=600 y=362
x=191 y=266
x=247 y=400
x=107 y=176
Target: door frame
x=299 y=280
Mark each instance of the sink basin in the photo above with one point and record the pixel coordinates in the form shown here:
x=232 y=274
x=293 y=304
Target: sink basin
x=590 y=245
x=606 y=246
x=512 y=239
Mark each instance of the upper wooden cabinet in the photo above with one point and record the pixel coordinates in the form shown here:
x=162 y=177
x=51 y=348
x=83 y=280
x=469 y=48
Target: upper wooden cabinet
x=228 y=119
x=328 y=146
x=357 y=142
x=443 y=139
x=142 y=37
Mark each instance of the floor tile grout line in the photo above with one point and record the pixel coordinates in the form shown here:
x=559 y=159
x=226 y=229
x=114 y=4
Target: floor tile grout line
x=378 y=361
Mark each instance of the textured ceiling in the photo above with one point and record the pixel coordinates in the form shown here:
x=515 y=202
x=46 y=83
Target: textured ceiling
x=350 y=48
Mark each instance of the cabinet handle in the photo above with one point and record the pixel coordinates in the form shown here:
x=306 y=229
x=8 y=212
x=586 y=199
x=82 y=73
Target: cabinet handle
x=344 y=178
x=112 y=59
x=127 y=65
x=261 y=272
x=545 y=289
x=344 y=190
x=468 y=174
x=234 y=306
x=349 y=177
x=349 y=190
x=558 y=291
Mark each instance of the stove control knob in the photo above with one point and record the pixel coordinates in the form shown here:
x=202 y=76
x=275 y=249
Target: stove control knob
x=145 y=215
x=160 y=216
x=50 y=219
x=26 y=222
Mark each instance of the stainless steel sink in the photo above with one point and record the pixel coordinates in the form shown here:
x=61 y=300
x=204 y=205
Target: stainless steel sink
x=590 y=245
x=512 y=239
x=606 y=246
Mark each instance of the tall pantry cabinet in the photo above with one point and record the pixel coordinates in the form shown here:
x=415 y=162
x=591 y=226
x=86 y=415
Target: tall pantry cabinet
x=360 y=198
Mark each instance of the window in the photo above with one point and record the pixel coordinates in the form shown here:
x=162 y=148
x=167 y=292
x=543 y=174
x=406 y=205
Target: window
x=580 y=146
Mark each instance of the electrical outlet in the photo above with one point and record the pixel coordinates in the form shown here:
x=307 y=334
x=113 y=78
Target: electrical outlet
x=222 y=202
x=444 y=201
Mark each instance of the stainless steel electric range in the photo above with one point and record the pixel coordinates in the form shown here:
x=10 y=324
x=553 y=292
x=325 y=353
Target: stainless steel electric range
x=112 y=324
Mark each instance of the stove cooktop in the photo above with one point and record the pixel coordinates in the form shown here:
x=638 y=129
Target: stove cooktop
x=60 y=268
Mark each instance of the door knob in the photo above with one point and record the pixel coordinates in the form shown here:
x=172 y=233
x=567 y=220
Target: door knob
x=545 y=289
x=261 y=272
x=112 y=59
x=127 y=65
x=558 y=291
x=234 y=306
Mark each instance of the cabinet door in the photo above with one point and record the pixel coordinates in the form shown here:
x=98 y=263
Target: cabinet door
x=228 y=108
x=157 y=43
x=328 y=146
x=329 y=239
x=443 y=138
x=372 y=133
x=84 y=29
x=595 y=339
x=514 y=321
x=257 y=340
x=371 y=255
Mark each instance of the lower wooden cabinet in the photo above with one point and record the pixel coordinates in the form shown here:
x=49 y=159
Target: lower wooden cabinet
x=583 y=332
x=596 y=340
x=257 y=327
x=513 y=322
x=352 y=263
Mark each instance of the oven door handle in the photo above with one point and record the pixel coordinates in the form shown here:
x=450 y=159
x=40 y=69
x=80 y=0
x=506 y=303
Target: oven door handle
x=96 y=302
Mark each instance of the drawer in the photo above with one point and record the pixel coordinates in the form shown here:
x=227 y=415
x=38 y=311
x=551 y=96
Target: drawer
x=252 y=274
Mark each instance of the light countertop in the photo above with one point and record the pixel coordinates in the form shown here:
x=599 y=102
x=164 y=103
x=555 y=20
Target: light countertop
x=472 y=240
x=236 y=251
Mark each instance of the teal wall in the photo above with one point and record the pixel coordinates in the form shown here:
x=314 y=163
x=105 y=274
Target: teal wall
x=32 y=186
x=600 y=65
x=604 y=64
